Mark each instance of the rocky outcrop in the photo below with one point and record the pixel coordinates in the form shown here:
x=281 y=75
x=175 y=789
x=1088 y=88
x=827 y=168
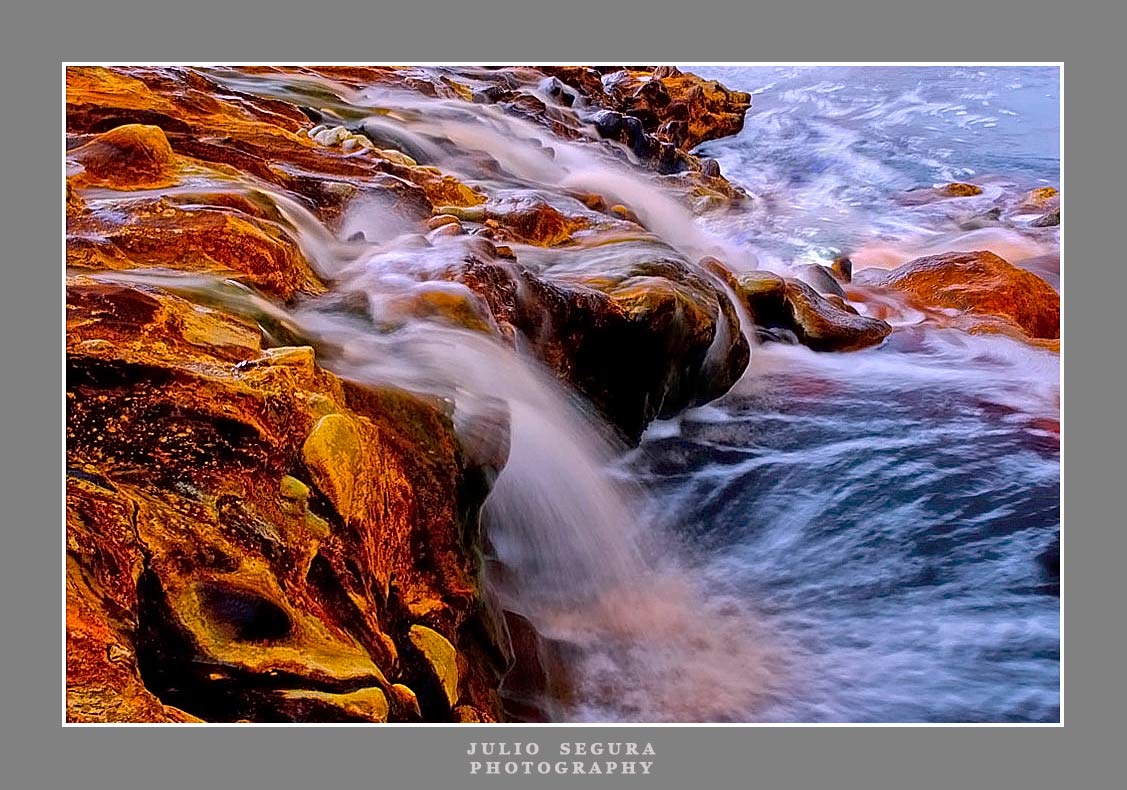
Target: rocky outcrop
x=675 y=107
x=991 y=294
x=642 y=343
x=250 y=537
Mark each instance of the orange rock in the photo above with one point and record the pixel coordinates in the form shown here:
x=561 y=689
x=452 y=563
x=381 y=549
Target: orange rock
x=958 y=189
x=917 y=197
x=149 y=232
x=980 y=283
x=193 y=541
x=133 y=156
x=1040 y=199
x=679 y=107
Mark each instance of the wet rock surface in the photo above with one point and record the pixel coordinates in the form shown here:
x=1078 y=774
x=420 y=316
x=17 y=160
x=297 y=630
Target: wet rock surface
x=980 y=286
x=251 y=537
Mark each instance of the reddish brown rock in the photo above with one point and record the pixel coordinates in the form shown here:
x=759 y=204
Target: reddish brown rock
x=982 y=284
x=158 y=233
x=133 y=156
x=823 y=323
x=533 y=221
x=214 y=553
x=824 y=326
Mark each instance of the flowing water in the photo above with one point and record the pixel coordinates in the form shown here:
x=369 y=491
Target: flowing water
x=842 y=537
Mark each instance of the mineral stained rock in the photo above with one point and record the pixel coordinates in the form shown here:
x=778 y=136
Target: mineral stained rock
x=993 y=294
x=251 y=537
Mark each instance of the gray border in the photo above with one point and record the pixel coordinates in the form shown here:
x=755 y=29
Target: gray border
x=36 y=752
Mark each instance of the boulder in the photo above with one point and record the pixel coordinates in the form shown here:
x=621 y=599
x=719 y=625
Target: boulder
x=823 y=323
x=981 y=284
x=133 y=156
x=823 y=326
x=1040 y=199
x=918 y=197
x=643 y=341
x=821 y=279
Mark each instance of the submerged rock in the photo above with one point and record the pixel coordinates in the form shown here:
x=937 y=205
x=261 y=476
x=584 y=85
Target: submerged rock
x=918 y=197
x=1052 y=219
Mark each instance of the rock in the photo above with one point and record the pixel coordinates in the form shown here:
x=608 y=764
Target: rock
x=957 y=189
x=1040 y=199
x=332 y=453
x=789 y=308
x=133 y=156
x=540 y=674
x=441 y=658
x=439 y=220
x=463 y=213
x=821 y=279
x=840 y=303
x=678 y=107
x=222 y=239
x=637 y=340
x=407 y=700
x=293 y=489
x=530 y=219
x=1049 y=220
x=622 y=211
x=982 y=284
x=368 y=704
x=917 y=197
x=764 y=294
x=823 y=326
x=986 y=219
x=192 y=591
x=710 y=168
x=842 y=269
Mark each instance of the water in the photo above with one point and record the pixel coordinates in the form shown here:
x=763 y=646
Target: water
x=883 y=510
x=842 y=537
x=829 y=149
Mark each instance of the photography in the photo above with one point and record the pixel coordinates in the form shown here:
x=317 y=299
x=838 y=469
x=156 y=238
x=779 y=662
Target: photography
x=718 y=394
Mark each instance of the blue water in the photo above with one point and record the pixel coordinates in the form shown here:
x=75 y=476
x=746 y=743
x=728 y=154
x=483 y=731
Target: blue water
x=830 y=148
x=882 y=511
